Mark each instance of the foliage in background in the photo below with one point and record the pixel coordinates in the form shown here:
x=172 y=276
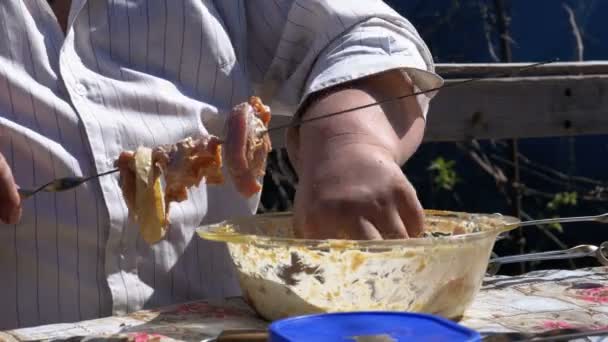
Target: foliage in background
x=445 y=174
x=560 y=200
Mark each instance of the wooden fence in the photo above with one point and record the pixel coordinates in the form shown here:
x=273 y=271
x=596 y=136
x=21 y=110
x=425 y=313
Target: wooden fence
x=557 y=99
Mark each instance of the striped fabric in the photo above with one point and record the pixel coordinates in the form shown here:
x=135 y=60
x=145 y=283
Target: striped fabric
x=147 y=72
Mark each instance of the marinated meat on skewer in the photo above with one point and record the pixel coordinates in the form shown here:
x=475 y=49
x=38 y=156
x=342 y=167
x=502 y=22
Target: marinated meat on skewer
x=181 y=165
x=152 y=178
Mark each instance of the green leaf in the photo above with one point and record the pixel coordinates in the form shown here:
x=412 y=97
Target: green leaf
x=563 y=199
x=445 y=175
x=556 y=226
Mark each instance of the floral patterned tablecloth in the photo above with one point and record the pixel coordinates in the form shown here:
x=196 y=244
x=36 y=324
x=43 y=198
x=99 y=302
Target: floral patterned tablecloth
x=537 y=302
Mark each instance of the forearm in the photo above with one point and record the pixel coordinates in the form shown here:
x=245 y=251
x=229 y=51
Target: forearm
x=396 y=127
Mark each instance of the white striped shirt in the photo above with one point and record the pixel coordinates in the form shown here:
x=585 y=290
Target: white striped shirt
x=137 y=72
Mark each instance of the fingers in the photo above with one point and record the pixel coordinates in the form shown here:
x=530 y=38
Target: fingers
x=411 y=211
x=403 y=217
x=365 y=230
x=330 y=221
x=10 y=201
x=384 y=208
x=404 y=222
x=391 y=225
x=351 y=229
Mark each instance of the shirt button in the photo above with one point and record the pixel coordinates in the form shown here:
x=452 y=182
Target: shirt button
x=80 y=89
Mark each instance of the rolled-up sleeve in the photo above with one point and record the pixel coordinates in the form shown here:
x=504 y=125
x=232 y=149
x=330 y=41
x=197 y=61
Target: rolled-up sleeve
x=319 y=44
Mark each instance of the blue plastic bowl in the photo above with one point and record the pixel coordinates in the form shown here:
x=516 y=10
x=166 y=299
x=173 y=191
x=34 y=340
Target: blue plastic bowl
x=354 y=326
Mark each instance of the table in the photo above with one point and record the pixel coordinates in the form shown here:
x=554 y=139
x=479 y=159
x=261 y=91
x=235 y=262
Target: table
x=542 y=301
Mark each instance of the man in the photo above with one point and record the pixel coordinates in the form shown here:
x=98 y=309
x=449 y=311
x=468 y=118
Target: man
x=82 y=81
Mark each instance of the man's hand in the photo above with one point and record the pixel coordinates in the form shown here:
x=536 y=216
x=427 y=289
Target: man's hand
x=357 y=192
x=350 y=181
x=10 y=201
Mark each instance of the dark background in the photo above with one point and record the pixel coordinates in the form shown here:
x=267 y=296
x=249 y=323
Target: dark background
x=459 y=31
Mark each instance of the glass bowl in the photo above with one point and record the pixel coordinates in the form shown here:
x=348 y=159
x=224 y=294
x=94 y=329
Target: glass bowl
x=282 y=276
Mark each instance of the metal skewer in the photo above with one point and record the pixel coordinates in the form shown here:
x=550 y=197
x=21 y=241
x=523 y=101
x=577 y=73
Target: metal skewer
x=61 y=184
x=67 y=183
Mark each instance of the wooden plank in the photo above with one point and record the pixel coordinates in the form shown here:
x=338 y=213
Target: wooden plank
x=521 y=107
x=451 y=71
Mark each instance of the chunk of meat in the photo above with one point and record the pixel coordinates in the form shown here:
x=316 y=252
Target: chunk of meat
x=186 y=163
x=141 y=186
x=247 y=145
x=181 y=165
x=126 y=167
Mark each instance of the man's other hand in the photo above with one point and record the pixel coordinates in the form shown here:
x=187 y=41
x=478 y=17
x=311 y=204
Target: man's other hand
x=10 y=201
